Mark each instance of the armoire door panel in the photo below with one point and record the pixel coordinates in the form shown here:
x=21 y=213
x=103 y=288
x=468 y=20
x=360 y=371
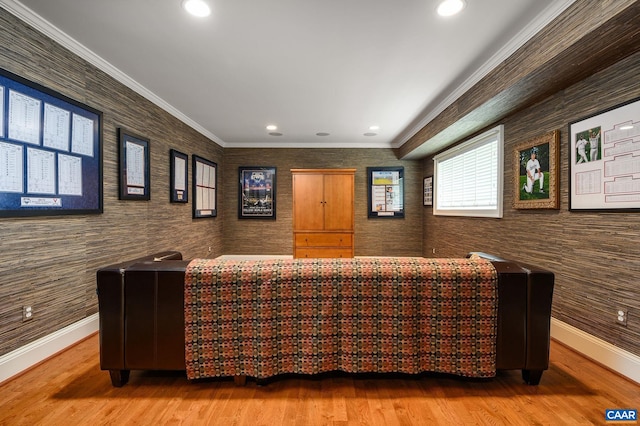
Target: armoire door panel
x=308 y=202
x=338 y=195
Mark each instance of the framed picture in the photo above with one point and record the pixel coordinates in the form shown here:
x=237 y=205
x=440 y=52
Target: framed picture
x=50 y=152
x=134 y=166
x=179 y=171
x=257 y=193
x=205 y=192
x=385 y=192
x=604 y=171
x=536 y=164
x=427 y=188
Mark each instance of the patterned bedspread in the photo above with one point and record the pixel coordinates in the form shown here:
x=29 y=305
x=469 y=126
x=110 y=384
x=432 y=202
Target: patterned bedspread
x=408 y=315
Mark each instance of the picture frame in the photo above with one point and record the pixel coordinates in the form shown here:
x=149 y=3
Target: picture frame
x=385 y=192
x=50 y=150
x=427 y=189
x=134 y=166
x=535 y=170
x=205 y=182
x=179 y=170
x=257 y=193
x=604 y=173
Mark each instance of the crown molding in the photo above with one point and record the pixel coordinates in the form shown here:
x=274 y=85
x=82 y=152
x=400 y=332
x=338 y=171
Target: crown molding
x=48 y=29
x=328 y=144
x=543 y=19
x=45 y=27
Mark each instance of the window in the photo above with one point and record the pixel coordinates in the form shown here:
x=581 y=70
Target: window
x=469 y=177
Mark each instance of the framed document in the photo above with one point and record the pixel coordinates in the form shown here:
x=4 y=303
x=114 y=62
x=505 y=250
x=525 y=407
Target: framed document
x=50 y=152
x=179 y=172
x=385 y=192
x=427 y=189
x=134 y=167
x=257 y=193
x=204 y=187
x=604 y=171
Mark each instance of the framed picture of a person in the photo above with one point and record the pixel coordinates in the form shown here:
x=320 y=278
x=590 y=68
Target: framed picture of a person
x=536 y=173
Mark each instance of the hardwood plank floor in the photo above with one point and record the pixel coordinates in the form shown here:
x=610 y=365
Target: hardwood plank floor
x=70 y=389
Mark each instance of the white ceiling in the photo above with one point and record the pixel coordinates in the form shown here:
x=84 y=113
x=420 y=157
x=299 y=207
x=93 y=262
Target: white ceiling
x=308 y=66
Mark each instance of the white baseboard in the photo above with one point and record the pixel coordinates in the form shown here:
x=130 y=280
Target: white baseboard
x=15 y=362
x=618 y=360
x=35 y=352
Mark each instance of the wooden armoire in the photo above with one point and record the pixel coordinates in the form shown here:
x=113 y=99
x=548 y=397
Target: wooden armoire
x=323 y=212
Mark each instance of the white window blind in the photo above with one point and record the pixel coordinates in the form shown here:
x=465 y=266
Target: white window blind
x=469 y=177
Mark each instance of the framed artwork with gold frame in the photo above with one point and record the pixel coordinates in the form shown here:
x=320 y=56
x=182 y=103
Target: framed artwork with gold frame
x=535 y=170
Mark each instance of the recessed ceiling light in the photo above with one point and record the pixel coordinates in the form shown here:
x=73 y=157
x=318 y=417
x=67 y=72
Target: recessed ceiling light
x=197 y=8
x=374 y=128
x=450 y=7
x=626 y=127
x=272 y=127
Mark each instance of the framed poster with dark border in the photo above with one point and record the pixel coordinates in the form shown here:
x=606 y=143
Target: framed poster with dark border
x=257 y=193
x=385 y=190
x=427 y=190
x=535 y=171
x=604 y=171
x=205 y=194
x=179 y=170
x=50 y=151
x=134 y=166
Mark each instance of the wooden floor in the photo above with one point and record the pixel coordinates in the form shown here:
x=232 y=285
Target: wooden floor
x=70 y=389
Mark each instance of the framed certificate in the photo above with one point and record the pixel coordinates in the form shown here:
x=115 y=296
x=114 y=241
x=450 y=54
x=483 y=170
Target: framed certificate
x=204 y=188
x=179 y=171
x=427 y=189
x=134 y=167
x=50 y=152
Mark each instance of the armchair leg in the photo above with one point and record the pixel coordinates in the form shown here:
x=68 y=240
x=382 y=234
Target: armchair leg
x=532 y=377
x=119 y=377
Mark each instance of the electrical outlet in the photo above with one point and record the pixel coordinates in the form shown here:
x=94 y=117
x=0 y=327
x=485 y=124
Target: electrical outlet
x=433 y=251
x=27 y=313
x=210 y=250
x=622 y=315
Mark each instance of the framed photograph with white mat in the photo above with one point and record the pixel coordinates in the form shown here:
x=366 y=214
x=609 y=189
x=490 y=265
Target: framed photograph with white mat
x=604 y=159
